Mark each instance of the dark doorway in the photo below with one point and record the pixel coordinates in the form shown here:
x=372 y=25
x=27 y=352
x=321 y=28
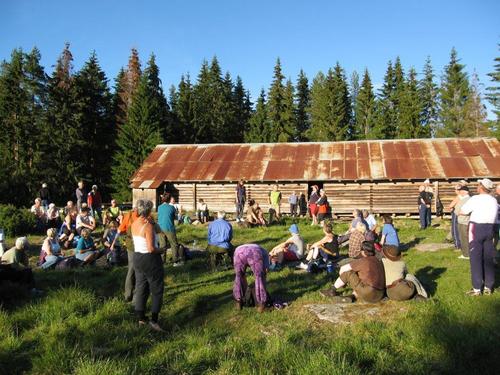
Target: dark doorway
x=169 y=188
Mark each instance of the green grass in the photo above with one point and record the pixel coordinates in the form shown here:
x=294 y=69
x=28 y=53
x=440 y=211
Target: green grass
x=82 y=326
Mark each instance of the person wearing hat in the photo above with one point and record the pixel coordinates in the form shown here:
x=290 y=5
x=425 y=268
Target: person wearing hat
x=291 y=250
x=483 y=210
x=365 y=276
x=462 y=221
x=94 y=202
x=397 y=288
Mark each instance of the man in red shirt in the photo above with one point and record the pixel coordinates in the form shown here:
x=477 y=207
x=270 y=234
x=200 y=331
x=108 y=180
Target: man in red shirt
x=94 y=201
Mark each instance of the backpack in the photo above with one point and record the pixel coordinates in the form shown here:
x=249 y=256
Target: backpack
x=67 y=263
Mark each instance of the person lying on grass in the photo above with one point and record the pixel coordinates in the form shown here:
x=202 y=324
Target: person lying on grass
x=365 y=276
x=85 y=248
x=291 y=250
x=327 y=247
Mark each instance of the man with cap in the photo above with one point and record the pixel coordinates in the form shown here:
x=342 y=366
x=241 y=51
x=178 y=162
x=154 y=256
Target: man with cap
x=365 y=276
x=290 y=250
x=483 y=210
x=398 y=289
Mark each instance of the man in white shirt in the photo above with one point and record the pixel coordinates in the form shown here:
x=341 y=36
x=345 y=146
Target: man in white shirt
x=483 y=210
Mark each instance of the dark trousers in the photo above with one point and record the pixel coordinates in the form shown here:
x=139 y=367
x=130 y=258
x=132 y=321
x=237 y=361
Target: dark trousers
x=130 y=279
x=454 y=230
x=148 y=277
x=293 y=209
x=239 y=209
x=422 y=213
x=496 y=229
x=177 y=253
x=429 y=216
x=482 y=254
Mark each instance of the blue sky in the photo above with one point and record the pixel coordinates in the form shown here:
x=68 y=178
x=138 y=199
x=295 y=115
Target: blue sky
x=248 y=36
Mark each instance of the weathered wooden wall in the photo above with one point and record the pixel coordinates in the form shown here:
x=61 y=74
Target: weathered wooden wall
x=384 y=197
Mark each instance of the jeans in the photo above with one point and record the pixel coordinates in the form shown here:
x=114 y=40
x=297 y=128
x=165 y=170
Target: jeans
x=422 y=212
x=454 y=230
x=239 y=209
x=293 y=209
x=51 y=260
x=429 y=215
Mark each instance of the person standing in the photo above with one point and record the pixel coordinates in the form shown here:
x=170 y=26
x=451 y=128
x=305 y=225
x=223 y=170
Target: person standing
x=323 y=205
x=275 y=201
x=255 y=257
x=94 y=201
x=44 y=195
x=428 y=200
x=148 y=266
x=313 y=208
x=81 y=195
x=125 y=228
x=166 y=218
x=293 y=200
x=483 y=210
x=462 y=221
x=241 y=197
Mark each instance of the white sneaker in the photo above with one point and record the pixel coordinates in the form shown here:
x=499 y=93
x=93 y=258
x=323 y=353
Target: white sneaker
x=462 y=257
x=302 y=266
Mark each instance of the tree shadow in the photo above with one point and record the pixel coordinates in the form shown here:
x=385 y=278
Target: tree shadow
x=428 y=277
x=407 y=246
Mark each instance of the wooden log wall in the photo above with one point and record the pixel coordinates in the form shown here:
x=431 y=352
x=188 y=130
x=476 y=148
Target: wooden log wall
x=386 y=197
x=144 y=194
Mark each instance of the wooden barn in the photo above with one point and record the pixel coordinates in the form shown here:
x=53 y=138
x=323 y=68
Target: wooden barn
x=382 y=176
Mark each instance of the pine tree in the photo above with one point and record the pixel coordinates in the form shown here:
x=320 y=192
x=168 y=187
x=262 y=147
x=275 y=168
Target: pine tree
x=118 y=105
x=229 y=128
x=365 y=109
x=341 y=106
x=428 y=96
x=318 y=110
x=258 y=130
x=137 y=137
x=454 y=93
x=493 y=96
x=288 y=115
x=410 y=109
x=354 y=85
x=302 y=99
x=281 y=129
x=475 y=112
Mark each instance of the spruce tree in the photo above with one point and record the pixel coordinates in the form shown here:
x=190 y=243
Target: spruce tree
x=354 y=85
x=365 y=109
x=62 y=138
x=318 y=110
x=288 y=115
x=475 y=112
x=410 y=109
x=385 y=124
x=118 y=105
x=182 y=108
x=202 y=107
x=281 y=129
x=428 y=97
x=243 y=110
x=137 y=137
x=94 y=114
x=341 y=110
x=258 y=130
x=453 y=93
x=302 y=100
x=493 y=96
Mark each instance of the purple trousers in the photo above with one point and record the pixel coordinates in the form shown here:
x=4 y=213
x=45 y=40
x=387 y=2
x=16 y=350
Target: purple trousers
x=482 y=253
x=249 y=255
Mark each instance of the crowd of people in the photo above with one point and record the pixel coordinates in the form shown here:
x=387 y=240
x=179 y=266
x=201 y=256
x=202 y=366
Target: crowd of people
x=372 y=265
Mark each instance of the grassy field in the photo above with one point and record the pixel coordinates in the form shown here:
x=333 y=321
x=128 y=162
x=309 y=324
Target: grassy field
x=81 y=325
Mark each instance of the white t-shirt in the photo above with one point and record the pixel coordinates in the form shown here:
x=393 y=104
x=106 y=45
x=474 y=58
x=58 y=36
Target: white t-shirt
x=371 y=221
x=482 y=208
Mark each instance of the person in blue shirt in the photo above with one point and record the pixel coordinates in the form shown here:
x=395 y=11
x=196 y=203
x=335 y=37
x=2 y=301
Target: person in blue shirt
x=220 y=234
x=389 y=234
x=166 y=217
x=85 y=248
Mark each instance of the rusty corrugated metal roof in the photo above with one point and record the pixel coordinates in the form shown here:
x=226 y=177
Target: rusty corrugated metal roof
x=447 y=158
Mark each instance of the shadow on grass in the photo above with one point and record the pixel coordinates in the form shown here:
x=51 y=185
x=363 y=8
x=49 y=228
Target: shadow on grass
x=466 y=343
x=407 y=246
x=428 y=276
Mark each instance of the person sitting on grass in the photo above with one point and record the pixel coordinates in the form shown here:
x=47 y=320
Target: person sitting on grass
x=327 y=247
x=111 y=242
x=85 y=220
x=14 y=265
x=291 y=250
x=389 y=235
x=356 y=239
x=255 y=257
x=365 y=276
x=53 y=216
x=357 y=218
x=255 y=215
x=51 y=250
x=202 y=211
x=113 y=213
x=39 y=211
x=397 y=288
x=68 y=228
x=220 y=234
x=85 y=248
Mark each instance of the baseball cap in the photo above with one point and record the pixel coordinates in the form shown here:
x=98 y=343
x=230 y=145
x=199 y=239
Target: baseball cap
x=486 y=182
x=294 y=229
